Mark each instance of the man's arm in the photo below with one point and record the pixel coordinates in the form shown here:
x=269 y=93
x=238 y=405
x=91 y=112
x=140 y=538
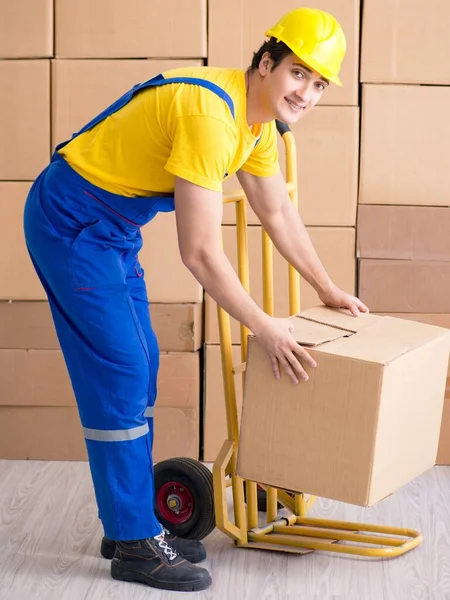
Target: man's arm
x=270 y=200
x=199 y=219
x=199 y=216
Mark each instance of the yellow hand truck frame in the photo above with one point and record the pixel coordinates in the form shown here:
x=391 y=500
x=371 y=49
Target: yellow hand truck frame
x=294 y=532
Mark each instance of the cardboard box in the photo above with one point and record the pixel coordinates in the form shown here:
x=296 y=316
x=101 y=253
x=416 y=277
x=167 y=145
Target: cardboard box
x=405 y=42
x=27 y=325
x=168 y=280
x=177 y=433
x=26 y=29
x=178 y=327
x=18 y=279
x=404 y=148
x=443 y=456
x=24 y=118
x=34 y=378
x=83 y=88
x=336 y=248
x=214 y=416
x=403 y=232
x=40 y=378
x=24 y=433
x=360 y=419
x=179 y=380
x=327 y=144
x=132 y=29
x=246 y=21
x=405 y=286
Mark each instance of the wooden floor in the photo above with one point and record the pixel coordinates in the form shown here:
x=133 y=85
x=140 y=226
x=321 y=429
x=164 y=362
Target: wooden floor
x=50 y=535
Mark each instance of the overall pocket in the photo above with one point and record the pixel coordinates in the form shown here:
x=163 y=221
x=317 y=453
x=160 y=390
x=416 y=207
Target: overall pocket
x=97 y=258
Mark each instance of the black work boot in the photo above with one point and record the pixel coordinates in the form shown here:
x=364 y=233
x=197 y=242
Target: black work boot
x=191 y=550
x=154 y=562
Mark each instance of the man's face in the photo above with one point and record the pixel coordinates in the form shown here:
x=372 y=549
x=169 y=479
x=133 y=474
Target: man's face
x=292 y=89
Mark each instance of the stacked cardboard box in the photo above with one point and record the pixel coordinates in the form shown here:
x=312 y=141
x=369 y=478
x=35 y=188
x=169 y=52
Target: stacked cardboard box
x=67 y=60
x=36 y=396
x=403 y=215
x=327 y=143
x=100 y=51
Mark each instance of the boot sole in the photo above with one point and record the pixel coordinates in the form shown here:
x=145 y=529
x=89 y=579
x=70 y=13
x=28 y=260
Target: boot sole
x=108 y=549
x=122 y=574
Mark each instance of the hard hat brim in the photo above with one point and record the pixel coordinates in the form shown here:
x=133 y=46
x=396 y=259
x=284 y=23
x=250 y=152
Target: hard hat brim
x=309 y=61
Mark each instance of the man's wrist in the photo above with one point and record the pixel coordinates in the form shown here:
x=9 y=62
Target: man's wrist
x=325 y=289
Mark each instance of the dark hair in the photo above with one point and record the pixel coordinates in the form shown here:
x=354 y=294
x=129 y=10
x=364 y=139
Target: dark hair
x=277 y=50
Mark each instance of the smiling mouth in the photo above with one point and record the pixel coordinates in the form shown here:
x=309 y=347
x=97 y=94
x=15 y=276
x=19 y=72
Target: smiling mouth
x=296 y=107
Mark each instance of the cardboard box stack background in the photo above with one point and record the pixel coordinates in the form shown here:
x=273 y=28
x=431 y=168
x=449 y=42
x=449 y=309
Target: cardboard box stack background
x=403 y=216
x=62 y=62
x=49 y=91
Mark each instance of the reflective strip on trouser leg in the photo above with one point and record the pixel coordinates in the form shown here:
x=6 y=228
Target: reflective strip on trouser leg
x=100 y=435
x=124 y=435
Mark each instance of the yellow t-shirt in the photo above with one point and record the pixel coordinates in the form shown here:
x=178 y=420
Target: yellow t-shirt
x=177 y=129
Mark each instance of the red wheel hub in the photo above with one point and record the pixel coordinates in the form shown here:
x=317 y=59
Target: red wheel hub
x=175 y=502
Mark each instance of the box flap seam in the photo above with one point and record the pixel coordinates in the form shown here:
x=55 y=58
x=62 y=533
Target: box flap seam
x=352 y=331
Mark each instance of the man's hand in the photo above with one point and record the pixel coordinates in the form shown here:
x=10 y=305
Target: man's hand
x=276 y=338
x=337 y=298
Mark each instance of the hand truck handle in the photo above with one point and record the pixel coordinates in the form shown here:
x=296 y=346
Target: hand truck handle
x=282 y=128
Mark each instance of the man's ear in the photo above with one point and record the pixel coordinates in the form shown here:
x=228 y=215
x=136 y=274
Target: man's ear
x=265 y=64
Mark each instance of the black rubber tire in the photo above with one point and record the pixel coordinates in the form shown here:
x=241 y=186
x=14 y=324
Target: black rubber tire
x=198 y=480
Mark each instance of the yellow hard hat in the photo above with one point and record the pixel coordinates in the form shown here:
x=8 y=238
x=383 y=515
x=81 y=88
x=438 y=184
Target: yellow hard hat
x=315 y=37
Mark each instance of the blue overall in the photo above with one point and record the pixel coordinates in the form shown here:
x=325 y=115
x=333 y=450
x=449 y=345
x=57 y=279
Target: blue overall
x=84 y=244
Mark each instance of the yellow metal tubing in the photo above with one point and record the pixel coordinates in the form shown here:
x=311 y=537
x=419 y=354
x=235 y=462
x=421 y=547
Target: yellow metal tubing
x=239 y=502
x=230 y=393
x=238 y=195
x=300 y=505
x=252 y=504
x=227 y=374
x=243 y=269
x=270 y=526
x=311 y=500
x=294 y=291
x=297 y=541
x=220 y=493
x=352 y=526
x=271 y=501
x=291 y=184
x=233 y=436
x=234 y=197
x=291 y=163
x=268 y=305
x=338 y=535
x=287 y=501
x=267 y=252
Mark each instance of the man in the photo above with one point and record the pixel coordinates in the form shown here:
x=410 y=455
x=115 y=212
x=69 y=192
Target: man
x=167 y=145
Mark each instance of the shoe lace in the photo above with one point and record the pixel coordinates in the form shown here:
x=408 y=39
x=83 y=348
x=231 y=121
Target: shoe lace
x=168 y=551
